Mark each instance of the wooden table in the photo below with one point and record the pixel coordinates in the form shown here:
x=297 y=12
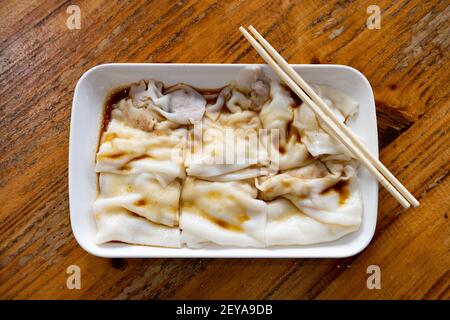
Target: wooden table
x=406 y=62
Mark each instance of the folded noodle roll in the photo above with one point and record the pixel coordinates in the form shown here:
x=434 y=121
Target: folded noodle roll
x=227 y=146
x=142 y=195
x=224 y=213
x=212 y=111
x=340 y=204
x=317 y=141
x=243 y=174
x=288 y=225
x=249 y=91
x=278 y=112
x=140 y=118
x=313 y=178
x=181 y=103
x=126 y=150
x=118 y=224
x=329 y=197
x=294 y=154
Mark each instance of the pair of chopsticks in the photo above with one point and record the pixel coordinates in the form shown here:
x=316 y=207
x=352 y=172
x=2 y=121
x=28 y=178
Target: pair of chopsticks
x=336 y=128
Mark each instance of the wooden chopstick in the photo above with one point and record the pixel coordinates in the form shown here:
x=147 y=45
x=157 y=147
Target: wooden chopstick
x=322 y=105
x=332 y=127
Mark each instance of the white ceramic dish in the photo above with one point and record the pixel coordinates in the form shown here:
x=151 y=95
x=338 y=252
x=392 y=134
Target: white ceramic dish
x=87 y=111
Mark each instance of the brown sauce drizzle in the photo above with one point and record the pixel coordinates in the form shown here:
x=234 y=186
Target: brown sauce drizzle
x=341 y=188
x=141 y=157
x=112 y=156
x=110 y=137
x=141 y=203
x=292 y=132
x=224 y=224
x=112 y=98
x=214 y=195
x=286 y=183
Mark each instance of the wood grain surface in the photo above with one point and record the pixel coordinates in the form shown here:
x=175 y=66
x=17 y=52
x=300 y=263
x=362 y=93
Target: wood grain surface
x=406 y=62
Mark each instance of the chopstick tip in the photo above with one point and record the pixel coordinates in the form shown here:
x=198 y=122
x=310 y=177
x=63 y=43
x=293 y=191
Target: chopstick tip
x=244 y=32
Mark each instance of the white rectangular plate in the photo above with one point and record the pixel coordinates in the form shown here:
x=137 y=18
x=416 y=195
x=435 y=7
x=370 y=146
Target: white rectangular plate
x=87 y=111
